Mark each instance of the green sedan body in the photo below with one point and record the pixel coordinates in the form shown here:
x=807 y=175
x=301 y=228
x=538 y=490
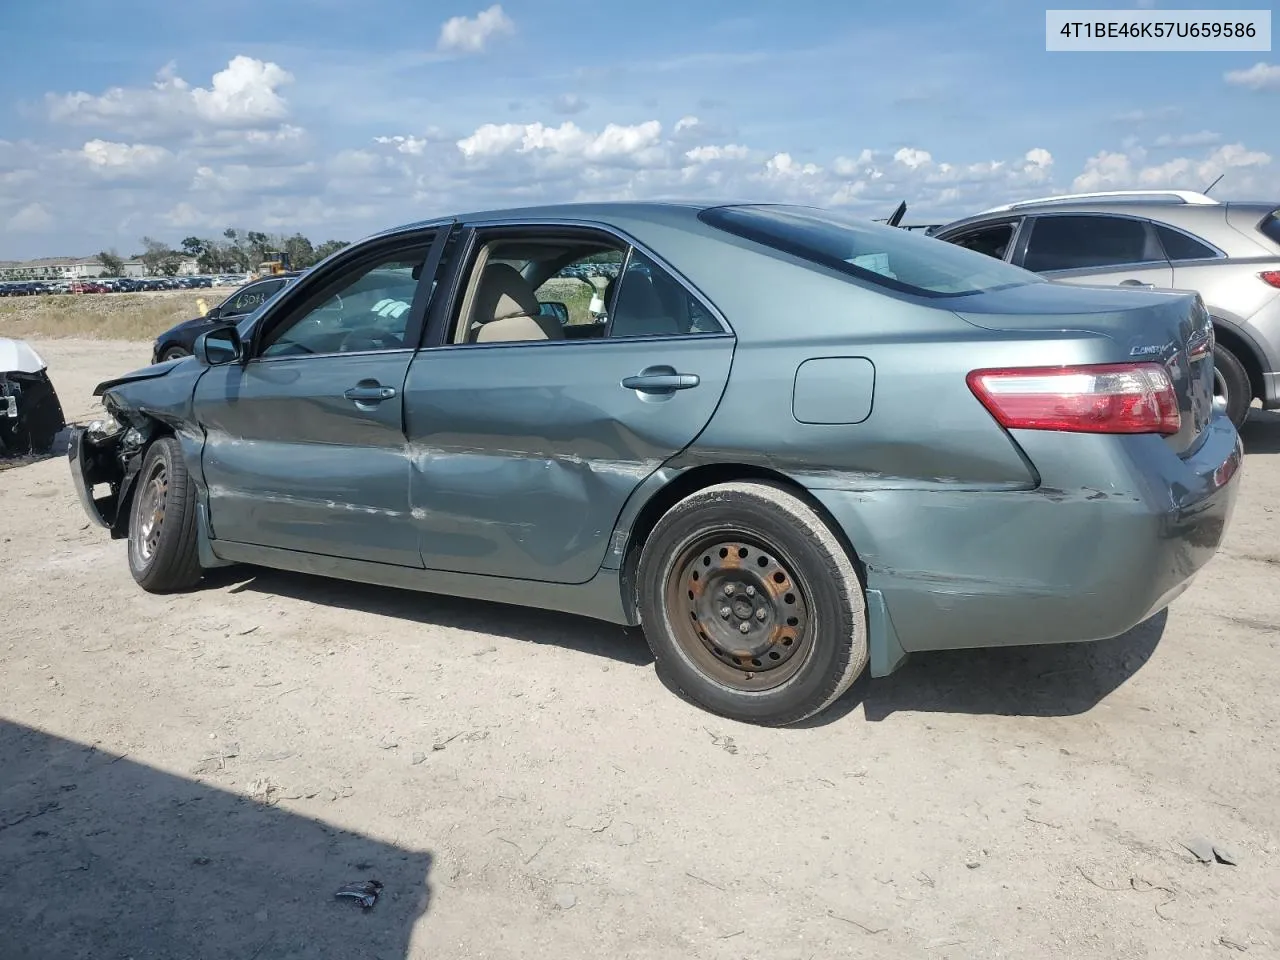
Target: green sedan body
x=787 y=443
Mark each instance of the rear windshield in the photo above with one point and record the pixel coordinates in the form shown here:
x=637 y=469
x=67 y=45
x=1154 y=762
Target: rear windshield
x=1270 y=227
x=901 y=260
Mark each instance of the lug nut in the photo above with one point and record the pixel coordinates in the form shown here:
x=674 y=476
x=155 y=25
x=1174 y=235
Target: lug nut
x=760 y=614
x=744 y=627
x=728 y=589
x=724 y=612
x=751 y=591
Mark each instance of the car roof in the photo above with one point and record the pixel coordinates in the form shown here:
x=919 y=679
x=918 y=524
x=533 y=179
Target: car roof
x=670 y=212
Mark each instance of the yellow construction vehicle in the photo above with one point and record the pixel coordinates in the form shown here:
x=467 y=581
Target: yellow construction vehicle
x=278 y=264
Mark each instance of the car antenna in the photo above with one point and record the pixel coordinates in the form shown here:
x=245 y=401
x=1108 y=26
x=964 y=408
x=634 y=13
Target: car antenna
x=1215 y=183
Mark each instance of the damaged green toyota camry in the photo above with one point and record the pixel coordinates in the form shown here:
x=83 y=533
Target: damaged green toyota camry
x=785 y=442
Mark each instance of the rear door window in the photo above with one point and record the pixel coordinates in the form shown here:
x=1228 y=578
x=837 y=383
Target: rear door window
x=1075 y=242
x=1180 y=246
x=993 y=239
x=1270 y=227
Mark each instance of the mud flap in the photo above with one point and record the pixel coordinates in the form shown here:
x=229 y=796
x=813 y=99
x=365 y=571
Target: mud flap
x=886 y=651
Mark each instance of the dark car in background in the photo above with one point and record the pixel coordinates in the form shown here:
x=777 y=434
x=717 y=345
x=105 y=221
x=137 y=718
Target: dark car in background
x=177 y=341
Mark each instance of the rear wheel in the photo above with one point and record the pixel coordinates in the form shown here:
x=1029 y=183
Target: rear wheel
x=751 y=605
x=1231 y=388
x=162 y=522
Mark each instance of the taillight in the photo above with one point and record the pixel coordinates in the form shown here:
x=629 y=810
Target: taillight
x=1271 y=276
x=1100 y=398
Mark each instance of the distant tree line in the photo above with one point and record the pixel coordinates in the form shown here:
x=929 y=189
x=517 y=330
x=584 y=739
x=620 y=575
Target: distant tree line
x=236 y=251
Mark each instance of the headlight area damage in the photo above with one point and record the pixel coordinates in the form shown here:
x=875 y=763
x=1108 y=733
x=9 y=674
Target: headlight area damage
x=105 y=458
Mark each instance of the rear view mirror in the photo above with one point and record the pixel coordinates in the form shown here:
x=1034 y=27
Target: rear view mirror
x=553 y=308
x=218 y=347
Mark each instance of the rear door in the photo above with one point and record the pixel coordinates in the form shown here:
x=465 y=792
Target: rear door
x=524 y=451
x=305 y=446
x=1104 y=249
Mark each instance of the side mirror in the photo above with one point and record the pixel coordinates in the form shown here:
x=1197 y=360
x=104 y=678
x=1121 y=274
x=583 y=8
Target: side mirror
x=214 y=312
x=218 y=347
x=553 y=308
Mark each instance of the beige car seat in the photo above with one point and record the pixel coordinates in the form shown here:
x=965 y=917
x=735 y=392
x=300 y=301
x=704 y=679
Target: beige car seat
x=506 y=308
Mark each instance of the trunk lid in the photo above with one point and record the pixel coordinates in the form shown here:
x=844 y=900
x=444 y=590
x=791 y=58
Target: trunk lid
x=1172 y=328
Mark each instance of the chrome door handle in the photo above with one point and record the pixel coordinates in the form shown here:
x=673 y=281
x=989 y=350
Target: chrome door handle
x=1137 y=283
x=661 y=382
x=370 y=393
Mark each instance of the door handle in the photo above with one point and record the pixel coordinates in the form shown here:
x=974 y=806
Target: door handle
x=370 y=393
x=1137 y=283
x=661 y=382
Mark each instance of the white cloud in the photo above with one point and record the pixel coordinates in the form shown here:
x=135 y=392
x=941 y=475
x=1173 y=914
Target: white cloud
x=616 y=140
x=1117 y=171
x=1202 y=138
x=910 y=157
x=782 y=166
x=686 y=123
x=713 y=152
x=245 y=94
x=133 y=157
x=33 y=218
x=410 y=144
x=470 y=35
x=1261 y=76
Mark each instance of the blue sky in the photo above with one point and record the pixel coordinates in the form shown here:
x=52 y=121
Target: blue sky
x=164 y=119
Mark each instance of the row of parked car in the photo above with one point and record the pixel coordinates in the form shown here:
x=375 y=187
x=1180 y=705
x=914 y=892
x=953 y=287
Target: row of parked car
x=33 y=288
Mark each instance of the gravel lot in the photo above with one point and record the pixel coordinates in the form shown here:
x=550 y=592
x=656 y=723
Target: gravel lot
x=196 y=775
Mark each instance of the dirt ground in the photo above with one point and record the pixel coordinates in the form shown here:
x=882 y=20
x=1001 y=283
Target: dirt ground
x=196 y=775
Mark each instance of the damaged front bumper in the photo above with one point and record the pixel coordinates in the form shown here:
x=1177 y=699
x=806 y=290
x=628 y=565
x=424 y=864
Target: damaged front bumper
x=104 y=454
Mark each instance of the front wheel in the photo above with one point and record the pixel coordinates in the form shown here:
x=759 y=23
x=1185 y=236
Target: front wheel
x=174 y=353
x=751 y=604
x=1231 y=388
x=162 y=523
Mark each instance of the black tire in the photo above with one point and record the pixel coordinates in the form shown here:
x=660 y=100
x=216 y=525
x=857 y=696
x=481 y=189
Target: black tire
x=797 y=656
x=174 y=353
x=39 y=419
x=1232 y=380
x=162 y=522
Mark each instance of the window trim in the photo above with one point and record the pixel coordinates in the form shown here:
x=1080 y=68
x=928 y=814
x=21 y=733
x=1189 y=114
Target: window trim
x=1144 y=222
x=297 y=295
x=444 y=308
x=1217 y=252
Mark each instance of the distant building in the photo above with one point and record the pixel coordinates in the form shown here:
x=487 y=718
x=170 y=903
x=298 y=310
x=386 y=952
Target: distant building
x=56 y=268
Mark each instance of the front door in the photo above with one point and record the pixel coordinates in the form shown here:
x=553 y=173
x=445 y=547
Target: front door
x=305 y=445
x=1101 y=249
x=527 y=433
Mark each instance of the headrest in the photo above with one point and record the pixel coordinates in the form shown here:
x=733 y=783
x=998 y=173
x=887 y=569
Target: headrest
x=503 y=293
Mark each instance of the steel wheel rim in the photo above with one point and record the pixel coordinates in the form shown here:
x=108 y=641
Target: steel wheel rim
x=149 y=519
x=737 y=611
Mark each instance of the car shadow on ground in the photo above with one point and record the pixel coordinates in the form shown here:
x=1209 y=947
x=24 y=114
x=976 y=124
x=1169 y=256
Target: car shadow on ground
x=594 y=637
x=1050 y=680
x=1261 y=432
x=106 y=857
x=10 y=459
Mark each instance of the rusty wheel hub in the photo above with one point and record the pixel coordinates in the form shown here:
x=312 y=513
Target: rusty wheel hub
x=738 y=610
